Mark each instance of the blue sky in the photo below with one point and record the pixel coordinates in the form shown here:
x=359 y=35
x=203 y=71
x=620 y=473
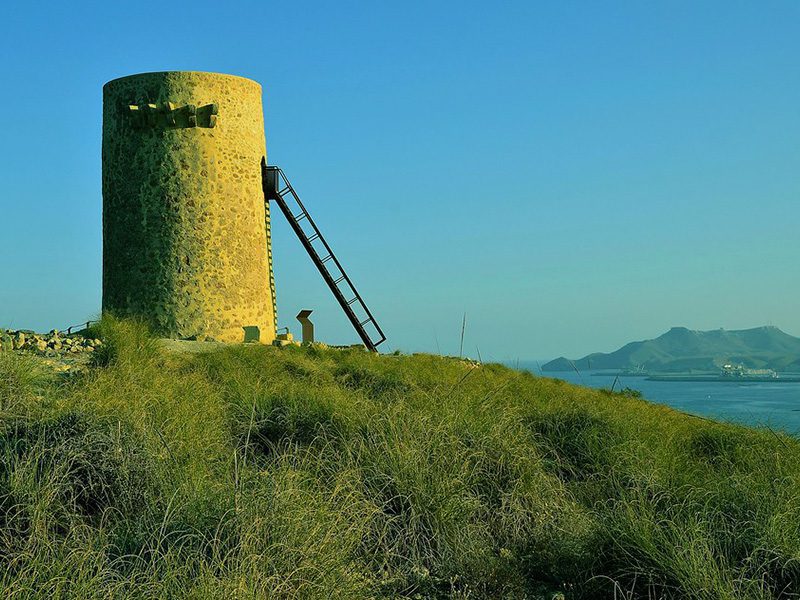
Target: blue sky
x=572 y=175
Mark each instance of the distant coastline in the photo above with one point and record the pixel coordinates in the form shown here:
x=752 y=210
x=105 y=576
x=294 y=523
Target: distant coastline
x=704 y=377
x=749 y=354
x=787 y=378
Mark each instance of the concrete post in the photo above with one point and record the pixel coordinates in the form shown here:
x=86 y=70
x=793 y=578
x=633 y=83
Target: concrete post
x=308 y=326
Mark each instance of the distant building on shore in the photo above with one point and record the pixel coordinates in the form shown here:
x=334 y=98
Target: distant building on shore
x=729 y=370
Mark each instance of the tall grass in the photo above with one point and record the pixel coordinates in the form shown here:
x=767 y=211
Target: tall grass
x=22 y=378
x=307 y=473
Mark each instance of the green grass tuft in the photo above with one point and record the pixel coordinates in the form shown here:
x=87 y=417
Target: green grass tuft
x=311 y=473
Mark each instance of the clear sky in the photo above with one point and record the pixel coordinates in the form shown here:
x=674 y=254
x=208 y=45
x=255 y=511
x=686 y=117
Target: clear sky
x=572 y=175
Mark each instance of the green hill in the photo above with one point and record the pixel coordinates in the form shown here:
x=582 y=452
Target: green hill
x=258 y=472
x=682 y=350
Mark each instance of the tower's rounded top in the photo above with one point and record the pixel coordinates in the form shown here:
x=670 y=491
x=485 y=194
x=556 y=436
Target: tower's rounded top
x=181 y=74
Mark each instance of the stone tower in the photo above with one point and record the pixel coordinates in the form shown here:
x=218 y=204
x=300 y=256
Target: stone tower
x=186 y=235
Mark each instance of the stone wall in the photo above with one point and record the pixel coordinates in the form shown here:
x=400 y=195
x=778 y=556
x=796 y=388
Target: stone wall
x=185 y=229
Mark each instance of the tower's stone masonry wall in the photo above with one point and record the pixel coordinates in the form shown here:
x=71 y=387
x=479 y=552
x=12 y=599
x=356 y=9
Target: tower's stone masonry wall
x=185 y=229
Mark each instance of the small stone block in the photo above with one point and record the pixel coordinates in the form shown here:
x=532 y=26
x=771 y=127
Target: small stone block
x=251 y=333
x=137 y=116
x=206 y=115
x=152 y=114
x=169 y=114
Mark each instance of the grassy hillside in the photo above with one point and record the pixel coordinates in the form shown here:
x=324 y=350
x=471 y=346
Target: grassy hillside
x=682 y=349
x=257 y=472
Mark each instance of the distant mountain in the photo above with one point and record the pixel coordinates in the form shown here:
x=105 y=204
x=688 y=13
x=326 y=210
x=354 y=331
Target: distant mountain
x=684 y=350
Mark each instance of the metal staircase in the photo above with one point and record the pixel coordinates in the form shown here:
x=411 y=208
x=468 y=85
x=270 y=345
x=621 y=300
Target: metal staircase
x=277 y=187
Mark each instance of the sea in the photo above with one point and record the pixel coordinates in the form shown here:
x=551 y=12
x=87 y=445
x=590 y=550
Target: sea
x=769 y=404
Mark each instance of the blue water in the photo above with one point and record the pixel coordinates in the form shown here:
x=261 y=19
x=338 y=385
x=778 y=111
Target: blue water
x=776 y=405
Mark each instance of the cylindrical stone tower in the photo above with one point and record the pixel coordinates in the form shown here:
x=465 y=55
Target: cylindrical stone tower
x=185 y=229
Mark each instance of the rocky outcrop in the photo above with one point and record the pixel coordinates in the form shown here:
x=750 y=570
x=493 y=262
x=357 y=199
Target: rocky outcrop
x=50 y=344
